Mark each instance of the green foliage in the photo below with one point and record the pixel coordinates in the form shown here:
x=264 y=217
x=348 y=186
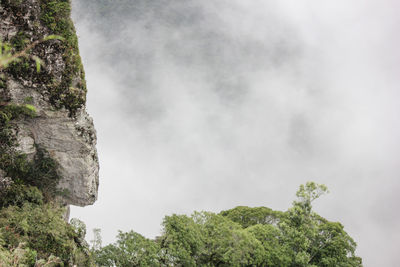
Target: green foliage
x=79 y=228
x=31 y=109
x=5 y=53
x=247 y=217
x=18 y=194
x=312 y=240
x=3 y=83
x=34 y=233
x=275 y=252
x=15 y=55
x=20 y=256
x=19 y=67
x=21 y=59
x=43 y=229
x=13 y=112
x=308 y=193
x=241 y=236
x=226 y=243
x=19 y=41
x=12 y=3
x=181 y=241
x=131 y=249
x=40 y=172
x=55 y=14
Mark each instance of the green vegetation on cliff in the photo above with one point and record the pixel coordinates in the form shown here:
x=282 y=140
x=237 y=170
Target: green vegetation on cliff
x=56 y=15
x=66 y=89
x=33 y=230
x=33 y=227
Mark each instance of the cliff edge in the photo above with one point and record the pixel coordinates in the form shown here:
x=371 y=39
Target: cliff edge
x=46 y=132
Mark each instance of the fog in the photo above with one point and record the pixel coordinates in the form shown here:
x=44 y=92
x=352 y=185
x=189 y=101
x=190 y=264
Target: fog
x=206 y=105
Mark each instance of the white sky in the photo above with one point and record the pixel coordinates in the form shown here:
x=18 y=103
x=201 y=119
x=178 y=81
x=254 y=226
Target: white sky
x=206 y=105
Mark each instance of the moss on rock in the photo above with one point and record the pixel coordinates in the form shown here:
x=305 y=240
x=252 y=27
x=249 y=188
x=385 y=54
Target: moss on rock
x=63 y=83
x=71 y=92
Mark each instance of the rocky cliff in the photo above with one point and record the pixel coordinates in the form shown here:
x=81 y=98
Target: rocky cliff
x=42 y=101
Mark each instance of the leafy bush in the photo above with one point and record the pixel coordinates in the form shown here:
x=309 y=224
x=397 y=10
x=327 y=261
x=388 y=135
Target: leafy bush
x=19 y=256
x=43 y=229
x=40 y=172
x=19 y=194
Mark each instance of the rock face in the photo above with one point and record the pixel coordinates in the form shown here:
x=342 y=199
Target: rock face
x=56 y=93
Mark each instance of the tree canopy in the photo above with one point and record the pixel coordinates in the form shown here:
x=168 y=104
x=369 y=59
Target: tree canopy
x=242 y=236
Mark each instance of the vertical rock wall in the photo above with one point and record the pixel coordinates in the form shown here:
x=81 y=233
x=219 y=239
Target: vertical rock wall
x=56 y=94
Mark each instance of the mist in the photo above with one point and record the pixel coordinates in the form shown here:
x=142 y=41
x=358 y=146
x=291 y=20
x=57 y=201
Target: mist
x=206 y=105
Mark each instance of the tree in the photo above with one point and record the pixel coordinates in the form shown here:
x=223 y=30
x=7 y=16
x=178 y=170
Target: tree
x=131 y=249
x=208 y=239
x=276 y=253
x=312 y=240
x=96 y=242
x=182 y=241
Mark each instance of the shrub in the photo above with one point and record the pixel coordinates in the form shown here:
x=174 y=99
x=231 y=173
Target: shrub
x=43 y=229
x=18 y=194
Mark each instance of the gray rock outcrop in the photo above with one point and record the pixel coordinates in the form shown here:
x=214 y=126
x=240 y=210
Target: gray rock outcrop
x=61 y=126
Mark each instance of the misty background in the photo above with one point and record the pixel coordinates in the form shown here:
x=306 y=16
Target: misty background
x=206 y=105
